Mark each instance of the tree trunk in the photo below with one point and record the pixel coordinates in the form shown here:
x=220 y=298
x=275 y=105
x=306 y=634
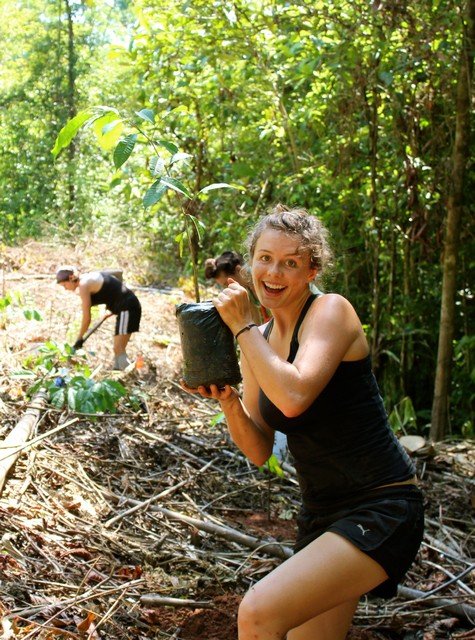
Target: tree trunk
x=71 y=103
x=440 y=404
x=371 y=110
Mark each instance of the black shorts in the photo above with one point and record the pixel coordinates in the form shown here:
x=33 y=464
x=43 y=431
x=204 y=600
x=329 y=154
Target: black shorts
x=128 y=317
x=387 y=524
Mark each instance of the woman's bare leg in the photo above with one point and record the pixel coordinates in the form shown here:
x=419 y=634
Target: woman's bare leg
x=121 y=360
x=331 y=625
x=328 y=573
x=120 y=343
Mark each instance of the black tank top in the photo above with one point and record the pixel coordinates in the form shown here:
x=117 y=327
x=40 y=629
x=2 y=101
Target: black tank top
x=342 y=444
x=113 y=293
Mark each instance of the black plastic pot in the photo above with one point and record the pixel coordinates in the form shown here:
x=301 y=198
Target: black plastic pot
x=207 y=344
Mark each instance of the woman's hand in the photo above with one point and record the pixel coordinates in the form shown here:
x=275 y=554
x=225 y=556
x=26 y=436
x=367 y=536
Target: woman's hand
x=213 y=391
x=233 y=306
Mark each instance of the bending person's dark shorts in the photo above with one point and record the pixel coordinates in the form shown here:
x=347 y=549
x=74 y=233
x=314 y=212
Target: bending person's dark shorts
x=387 y=524
x=128 y=317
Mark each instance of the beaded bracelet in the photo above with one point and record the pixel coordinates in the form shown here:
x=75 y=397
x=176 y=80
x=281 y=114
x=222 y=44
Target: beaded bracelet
x=248 y=327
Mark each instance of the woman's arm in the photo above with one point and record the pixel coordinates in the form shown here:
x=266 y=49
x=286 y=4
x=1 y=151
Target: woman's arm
x=246 y=426
x=330 y=333
x=245 y=423
x=85 y=295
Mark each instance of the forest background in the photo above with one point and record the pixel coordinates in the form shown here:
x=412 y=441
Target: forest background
x=358 y=111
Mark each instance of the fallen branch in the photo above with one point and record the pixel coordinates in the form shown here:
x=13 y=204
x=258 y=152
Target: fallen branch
x=20 y=434
x=34 y=441
x=152 y=600
x=270 y=547
x=453 y=578
x=62 y=605
x=459 y=609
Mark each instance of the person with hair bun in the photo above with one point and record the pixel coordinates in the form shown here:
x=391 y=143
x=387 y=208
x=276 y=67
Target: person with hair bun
x=227 y=265
x=101 y=287
x=307 y=373
x=230 y=264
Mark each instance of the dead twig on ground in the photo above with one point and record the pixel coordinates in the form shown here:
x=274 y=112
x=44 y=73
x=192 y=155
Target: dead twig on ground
x=153 y=600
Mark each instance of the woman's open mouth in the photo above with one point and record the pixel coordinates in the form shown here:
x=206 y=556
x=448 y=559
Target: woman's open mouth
x=273 y=289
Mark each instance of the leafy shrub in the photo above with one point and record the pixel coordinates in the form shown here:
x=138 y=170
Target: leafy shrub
x=403 y=416
x=85 y=395
x=67 y=378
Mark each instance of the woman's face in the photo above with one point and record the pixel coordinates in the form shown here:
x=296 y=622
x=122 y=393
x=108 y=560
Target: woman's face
x=68 y=285
x=281 y=273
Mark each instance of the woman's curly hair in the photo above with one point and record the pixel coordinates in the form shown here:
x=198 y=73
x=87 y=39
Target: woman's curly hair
x=298 y=222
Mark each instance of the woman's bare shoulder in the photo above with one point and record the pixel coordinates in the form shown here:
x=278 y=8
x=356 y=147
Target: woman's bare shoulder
x=332 y=302
x=333 y=310
x=91 y=281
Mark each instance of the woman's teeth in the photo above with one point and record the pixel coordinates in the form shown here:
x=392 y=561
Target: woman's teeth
x=274 y=287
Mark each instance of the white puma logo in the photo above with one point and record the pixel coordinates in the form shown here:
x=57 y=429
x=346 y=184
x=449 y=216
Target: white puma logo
x=363 y=530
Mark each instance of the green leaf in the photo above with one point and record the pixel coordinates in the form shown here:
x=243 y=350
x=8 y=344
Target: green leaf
x=217 y=185
x=124 y=149
x=116 y=386
x=217 y=419
x=82 y=396
x=108 y=130
x=57 y=396
x=88 y=407
x=157 y=166
x=5 y=302
x=32 y=314
x=176 y=185
x=154 y=194
x=409 y=415
x=197 y=224
x=180 y=240
x=146 y=114
x=394 y=420
x=274 y=467
x=127 y=192
x=110 y=126
x=115 y=182
x=386 y=77
x=242 y=170
x=70 y=129
x=23 y=373
x=169 y=146
x=179 y=157
x=72 y=398
x=392 y=355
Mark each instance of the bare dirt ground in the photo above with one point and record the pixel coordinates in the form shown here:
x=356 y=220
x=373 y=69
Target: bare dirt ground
x=148 y=523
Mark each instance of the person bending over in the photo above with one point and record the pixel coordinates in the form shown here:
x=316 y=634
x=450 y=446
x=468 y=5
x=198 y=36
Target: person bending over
x=230 y=265
x=307 y=372
x=100 y=287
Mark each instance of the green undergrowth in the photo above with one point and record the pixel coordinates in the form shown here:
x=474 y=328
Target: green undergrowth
x=69 y=382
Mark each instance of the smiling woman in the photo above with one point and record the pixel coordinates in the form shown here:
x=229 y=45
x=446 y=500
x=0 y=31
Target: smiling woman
x=307 y=373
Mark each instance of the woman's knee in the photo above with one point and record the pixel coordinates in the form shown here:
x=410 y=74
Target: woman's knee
x=257 y=616
x=249 y=610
